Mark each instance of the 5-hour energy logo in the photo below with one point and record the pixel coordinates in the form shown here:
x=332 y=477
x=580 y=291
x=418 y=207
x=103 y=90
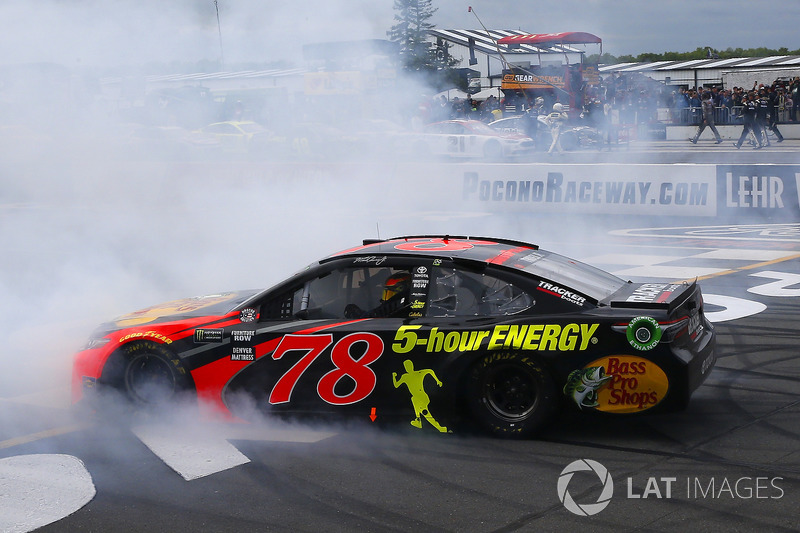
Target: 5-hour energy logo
x=552 y=337
x=663 y=487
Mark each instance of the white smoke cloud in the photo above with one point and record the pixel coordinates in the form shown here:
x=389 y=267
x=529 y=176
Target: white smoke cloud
x=136 y=32
x=90 y=231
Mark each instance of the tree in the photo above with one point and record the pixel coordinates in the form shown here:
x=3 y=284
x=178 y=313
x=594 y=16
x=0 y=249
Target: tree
x=411 y=33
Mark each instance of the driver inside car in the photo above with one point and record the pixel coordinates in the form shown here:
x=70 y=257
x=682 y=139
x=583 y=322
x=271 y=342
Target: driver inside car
x=394 y=301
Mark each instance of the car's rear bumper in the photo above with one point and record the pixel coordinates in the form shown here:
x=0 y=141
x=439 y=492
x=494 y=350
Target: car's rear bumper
x=693 y=369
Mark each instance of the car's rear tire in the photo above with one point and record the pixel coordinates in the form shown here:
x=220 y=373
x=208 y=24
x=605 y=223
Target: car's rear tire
x=152 y=375
x=510 y=395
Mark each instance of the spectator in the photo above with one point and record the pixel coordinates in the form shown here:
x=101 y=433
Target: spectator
x=738 y=96
x=490 y=109
x=772 y=113
x=442 y=109
x=694 y=107
x=761 y=114
x=473 y=113
x=726 y=100
x=749 y=112
x=795 y=95
x=707 y=119
x=457 y=109
x=531 y=122
x=716 y=96
x=556 y=119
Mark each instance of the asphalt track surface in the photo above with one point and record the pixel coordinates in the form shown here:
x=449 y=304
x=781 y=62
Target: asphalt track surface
x=730 y=462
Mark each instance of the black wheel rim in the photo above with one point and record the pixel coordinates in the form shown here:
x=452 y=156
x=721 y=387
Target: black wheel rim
x=510 y=392
x=149 y=379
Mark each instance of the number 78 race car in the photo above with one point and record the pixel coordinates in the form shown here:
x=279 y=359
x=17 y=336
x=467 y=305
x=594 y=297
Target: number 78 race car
x=442 y=332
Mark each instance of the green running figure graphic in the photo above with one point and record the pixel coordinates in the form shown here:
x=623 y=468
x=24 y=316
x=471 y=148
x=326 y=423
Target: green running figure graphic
x=413 y=379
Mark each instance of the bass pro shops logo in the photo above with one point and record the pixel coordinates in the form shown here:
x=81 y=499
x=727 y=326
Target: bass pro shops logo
x=586 y=509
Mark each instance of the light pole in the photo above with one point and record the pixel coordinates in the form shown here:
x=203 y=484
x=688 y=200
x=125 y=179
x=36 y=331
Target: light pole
x=219 y=30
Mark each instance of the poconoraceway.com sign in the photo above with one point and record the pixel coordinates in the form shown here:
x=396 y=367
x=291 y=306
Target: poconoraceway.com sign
x=656 y=190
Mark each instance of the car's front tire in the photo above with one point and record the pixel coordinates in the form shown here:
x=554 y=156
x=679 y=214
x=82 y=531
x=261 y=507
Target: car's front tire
x=510 y=395
x=152 y=375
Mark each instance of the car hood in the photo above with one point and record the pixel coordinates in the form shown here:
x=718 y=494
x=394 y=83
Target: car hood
x=209 y=305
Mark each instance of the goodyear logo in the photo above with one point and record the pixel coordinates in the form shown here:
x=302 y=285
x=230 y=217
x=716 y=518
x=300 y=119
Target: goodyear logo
x=541 y=337
x=146 y=335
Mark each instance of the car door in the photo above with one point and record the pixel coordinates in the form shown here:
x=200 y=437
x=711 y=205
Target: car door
x=322 y=343
x=445 y=138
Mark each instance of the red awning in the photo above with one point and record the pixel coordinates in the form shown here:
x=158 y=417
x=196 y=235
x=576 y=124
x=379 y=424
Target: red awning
x=549 y=39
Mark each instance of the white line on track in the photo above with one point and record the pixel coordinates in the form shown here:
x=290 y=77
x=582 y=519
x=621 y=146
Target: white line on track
x=36 y=490
x=196 y=451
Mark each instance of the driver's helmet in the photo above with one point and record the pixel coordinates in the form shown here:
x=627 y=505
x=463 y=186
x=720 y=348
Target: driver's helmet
x=558 y=107
x=539 y=100
x=395 y=284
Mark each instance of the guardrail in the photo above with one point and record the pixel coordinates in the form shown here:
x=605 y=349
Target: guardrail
x=692 y=116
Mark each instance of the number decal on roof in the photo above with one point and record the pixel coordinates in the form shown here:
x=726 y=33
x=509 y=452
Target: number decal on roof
x=440 y=245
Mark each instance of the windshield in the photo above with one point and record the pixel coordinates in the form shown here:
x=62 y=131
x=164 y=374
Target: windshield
x=591 y=281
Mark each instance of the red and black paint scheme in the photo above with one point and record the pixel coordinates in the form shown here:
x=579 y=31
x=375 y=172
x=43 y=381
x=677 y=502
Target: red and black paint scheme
x=473 y=331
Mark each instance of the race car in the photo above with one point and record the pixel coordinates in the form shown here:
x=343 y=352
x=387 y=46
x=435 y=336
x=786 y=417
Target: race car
x=235 y=136
x=446 y=333
x=470 y=138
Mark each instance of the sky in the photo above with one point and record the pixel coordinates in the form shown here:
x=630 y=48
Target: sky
x=131 y=32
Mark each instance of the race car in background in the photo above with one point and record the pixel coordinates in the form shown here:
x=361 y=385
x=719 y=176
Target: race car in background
x=443 y=332
x=573 y=136
x=236 y=136
x=471 y=138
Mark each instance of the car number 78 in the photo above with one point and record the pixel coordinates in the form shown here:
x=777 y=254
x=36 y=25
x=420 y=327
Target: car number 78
x=345 y=364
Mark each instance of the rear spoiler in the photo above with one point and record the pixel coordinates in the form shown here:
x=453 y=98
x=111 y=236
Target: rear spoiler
x=666 y=296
